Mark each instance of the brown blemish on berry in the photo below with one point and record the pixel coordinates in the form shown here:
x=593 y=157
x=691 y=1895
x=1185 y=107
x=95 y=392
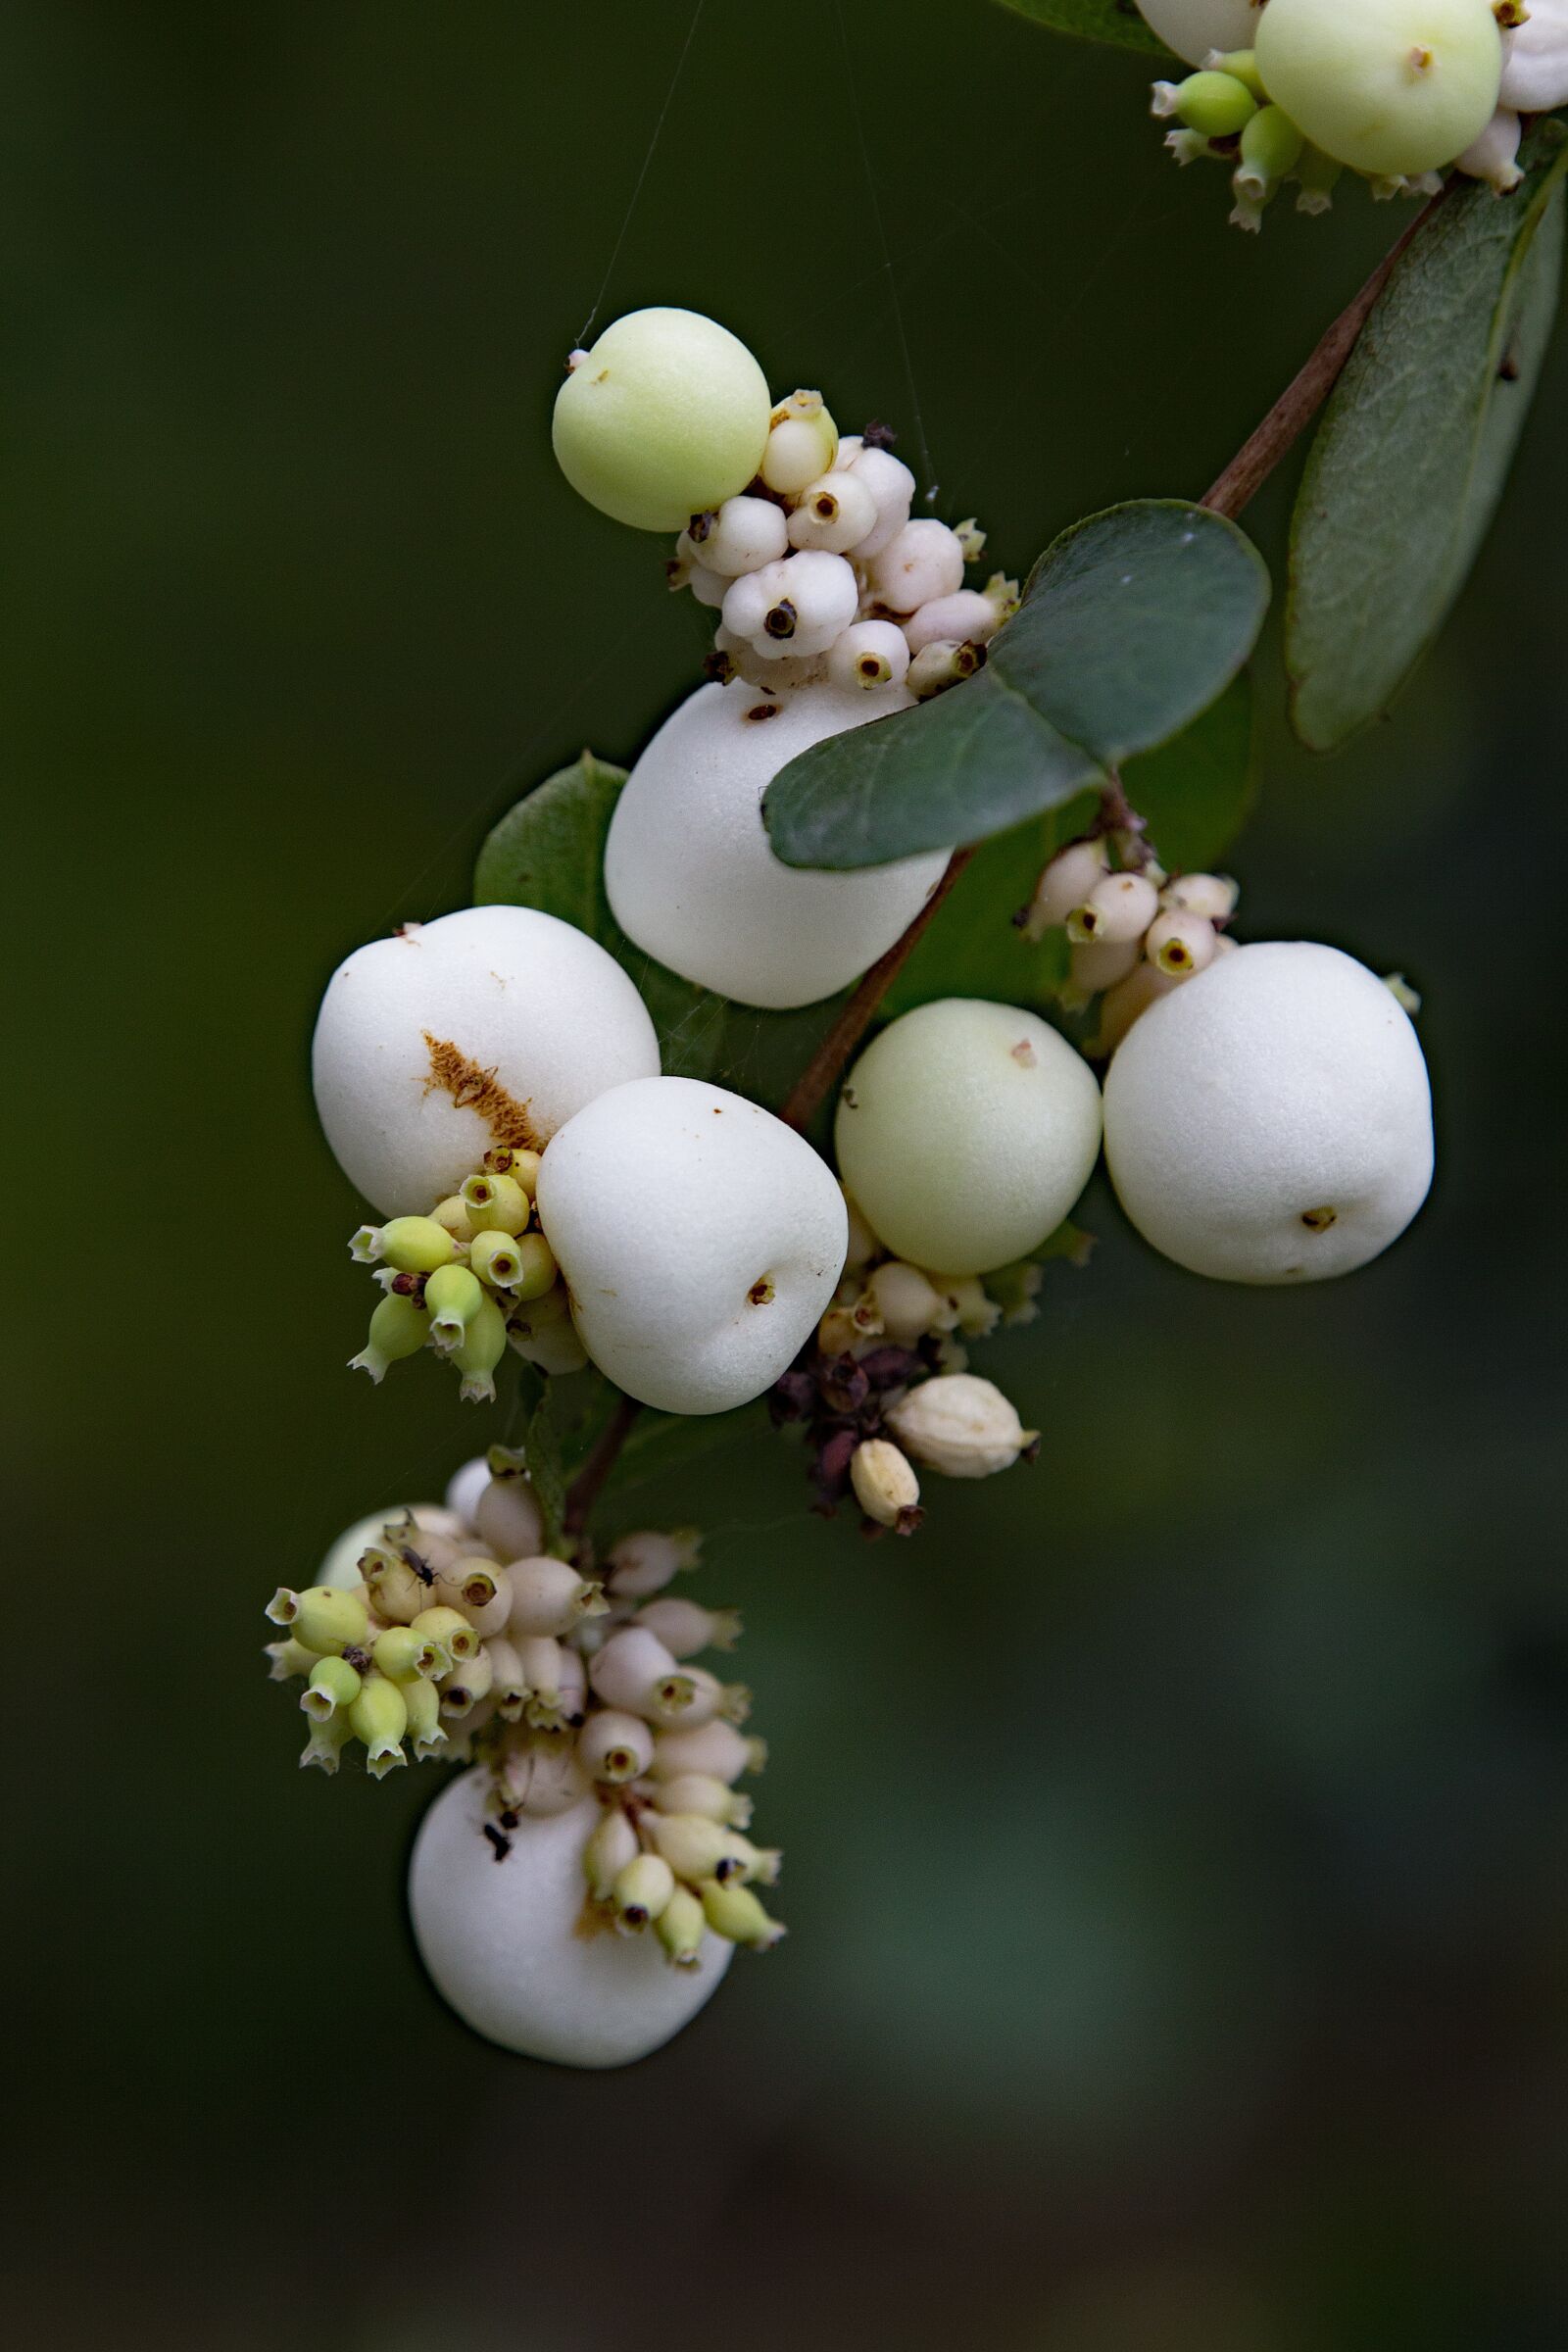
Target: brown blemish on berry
x=761 y=1292
x=1024 y=1054
x=473 y=1088
x=763 y=710
x=1318 y=1221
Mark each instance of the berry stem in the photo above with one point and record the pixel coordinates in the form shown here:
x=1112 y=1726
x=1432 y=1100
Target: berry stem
x=1304 y=395
x=584 y=1491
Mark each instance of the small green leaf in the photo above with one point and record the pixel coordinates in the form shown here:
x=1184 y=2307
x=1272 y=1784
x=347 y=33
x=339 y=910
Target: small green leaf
x=1114 y=20
x=1132 y=623
x=1415 y=444
x=549 y=852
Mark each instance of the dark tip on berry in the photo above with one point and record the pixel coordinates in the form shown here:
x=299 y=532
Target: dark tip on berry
x=878 y=435
x=780 y=622
x=763 y=710
x=499 y=1840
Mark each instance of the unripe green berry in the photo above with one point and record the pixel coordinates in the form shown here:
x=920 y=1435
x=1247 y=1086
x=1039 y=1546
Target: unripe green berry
x=1215 y=105
x=665 y=417
x=1389 y=87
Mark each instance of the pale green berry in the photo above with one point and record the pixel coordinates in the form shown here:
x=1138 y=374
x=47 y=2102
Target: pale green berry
x=966 y=1131
x=665 y=417
x=1388 y=86
x=1215 y=105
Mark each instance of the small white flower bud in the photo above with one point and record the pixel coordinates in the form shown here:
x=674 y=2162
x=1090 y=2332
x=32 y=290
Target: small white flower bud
x=869 y=654
x=690 y=1696
x=1494 y=157
x=644 y=1563
x=796 y=606
x=478 y=1587
x=940 y=664
x=468 y=1681
x=1535 y=55
x=707 y=587
x=641 y=1889
x=974 y=1312
x=923 y=561
x=1121 y=1005
x=715 y=1747
x=613 y=1845
x=508 y=1518
x=891 y=484
x=540 y=1778
x=705 y=1793
x=685 y=1627
x=1212 y=896
x=556 y=1680
x=1098 y=965
x=695 y=1848
x=615 y=1746
x=627 y=1672
x=548 y=1596
x=965 y=617
x=885 y=1487
x=742 y=536
x=1066 y=882
x=802 y=444
x=960 y=1426
x=905 y=1300
x=1180 y=944
x=834 y=514
x=509 y=1680
x=1120 y=908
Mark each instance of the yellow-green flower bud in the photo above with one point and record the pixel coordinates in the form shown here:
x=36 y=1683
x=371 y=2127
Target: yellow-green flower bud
x=1318 y=174
x=641 y=1891
x=609 y=1850
x=537 y=1268
x=695 y=1848
x=759 y=1864
x=381 y=1717
x=1214 y=104
x=333 y=1684
x=409 y=1245
x=398 y=1328
x=705 y=1793
x=328 y=1740
x=402 y=1654
x=495 y=1204
x=1271 y=147
x=478 y=1352
x=288 y=1658
x=423 y=1705
x=452 y=1214
x=513 y=1160
x=468 y=1683
x=323 y=1617
x=453 y=1297
x=452 y=1630
x=680 y=1927
x=734 y=1912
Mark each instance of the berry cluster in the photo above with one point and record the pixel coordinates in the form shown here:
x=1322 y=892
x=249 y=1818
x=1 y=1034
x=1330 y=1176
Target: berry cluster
x=1136 y=934
x=450 y=1629
x=1394 y=90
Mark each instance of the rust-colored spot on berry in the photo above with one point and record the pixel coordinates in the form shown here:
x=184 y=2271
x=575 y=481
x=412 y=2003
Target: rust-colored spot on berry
x=760 y=711
x=473 y=1088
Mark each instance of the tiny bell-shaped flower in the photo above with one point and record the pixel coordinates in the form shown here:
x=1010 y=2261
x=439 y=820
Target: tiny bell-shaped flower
x=1069 y=881
x=478 y=1350
x=548 y=1596
x=681 y=1926
x=869 y=654
x=734 y=1912
x=1180 y=944
x=885 y=1487
x=891 y=484
x=333 y=1684
x=1214 y=104
x=695 y=1848
x=496 y=1204
x=426 y=1733
x=743 y=535
x=1212 y=896
x=398 y=1328
x=801 y=443
x=468 y=1683
x=508 y=1677
x=453 y=1297
x=615 y=1746
x=328 y=1737
x=1120 y=908
x=796 y=607
x=641 y=1891
x=705 y=1793
x=834 y=514
x=960 y=1427
x=685 y=1627
x=379 y=1716
x=323 y=1617
x=611 y=1848
x=629 y=1669
x=966 y=618
x=409 y=1245
x=450 y=1630
x=715 y=1747
x=402 y=1654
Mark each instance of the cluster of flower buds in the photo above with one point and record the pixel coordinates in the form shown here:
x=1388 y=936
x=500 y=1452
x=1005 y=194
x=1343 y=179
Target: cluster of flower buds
x=473 y=1276
x=820 y=574
x=1301 y=90
x=448 y=1632
x=884 y=1385
x=1136 y=933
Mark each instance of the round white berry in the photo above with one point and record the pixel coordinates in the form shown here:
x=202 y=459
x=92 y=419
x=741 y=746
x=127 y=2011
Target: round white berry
x=665 y=417
x=796 y=606
x=1271 y=1121
x=834 y=514
x=490 y=1026
x=870 y=655
x=1389 y=87
x=693 y=880
x=745 y=534
x=891 y=484
x=966 y=1131
x=1192 y=28
x=498 y=1939
x=966 y=617
x=923 y=561
x=700 y=1237
x=1535 y=60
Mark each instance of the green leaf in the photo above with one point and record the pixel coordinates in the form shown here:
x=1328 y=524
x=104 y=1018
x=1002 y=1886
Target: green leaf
x=542 y=1452
x=549 y=852
x=1115 y=20
x=1196 y=792
x=1415 y=444
x=1132 y=623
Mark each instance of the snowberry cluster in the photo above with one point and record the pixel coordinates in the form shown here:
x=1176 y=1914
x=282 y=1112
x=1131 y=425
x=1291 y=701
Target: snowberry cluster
x=450 y=1629
x=1136 y=933
x=1395 y=90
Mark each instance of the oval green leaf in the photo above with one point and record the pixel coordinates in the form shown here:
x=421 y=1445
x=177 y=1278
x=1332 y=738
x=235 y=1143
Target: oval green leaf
x=1113 y=21
x=1415 y=445
x=1132 y=624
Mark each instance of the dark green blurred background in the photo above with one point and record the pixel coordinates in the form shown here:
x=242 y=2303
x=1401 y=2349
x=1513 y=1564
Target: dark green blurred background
x=1174 y=1832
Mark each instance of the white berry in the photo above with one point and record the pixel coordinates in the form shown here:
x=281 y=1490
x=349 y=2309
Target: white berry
x=966 y=1131
x=796 y=606
x=870 y=654
x=1271 y=1120
x=691 y=878
x=491 y=1026
x=1535 y=60
x=700 y=1237
x=1192 y=28
x=498 y=1939
x=834 y=514
x=745 y=534
x=966 y=616
x=891 y=484
x=923 y=561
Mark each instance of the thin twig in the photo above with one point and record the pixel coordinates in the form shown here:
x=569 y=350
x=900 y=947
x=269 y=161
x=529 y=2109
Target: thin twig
x=1236 y=487
x=1302 y=399
x=583 y=1492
